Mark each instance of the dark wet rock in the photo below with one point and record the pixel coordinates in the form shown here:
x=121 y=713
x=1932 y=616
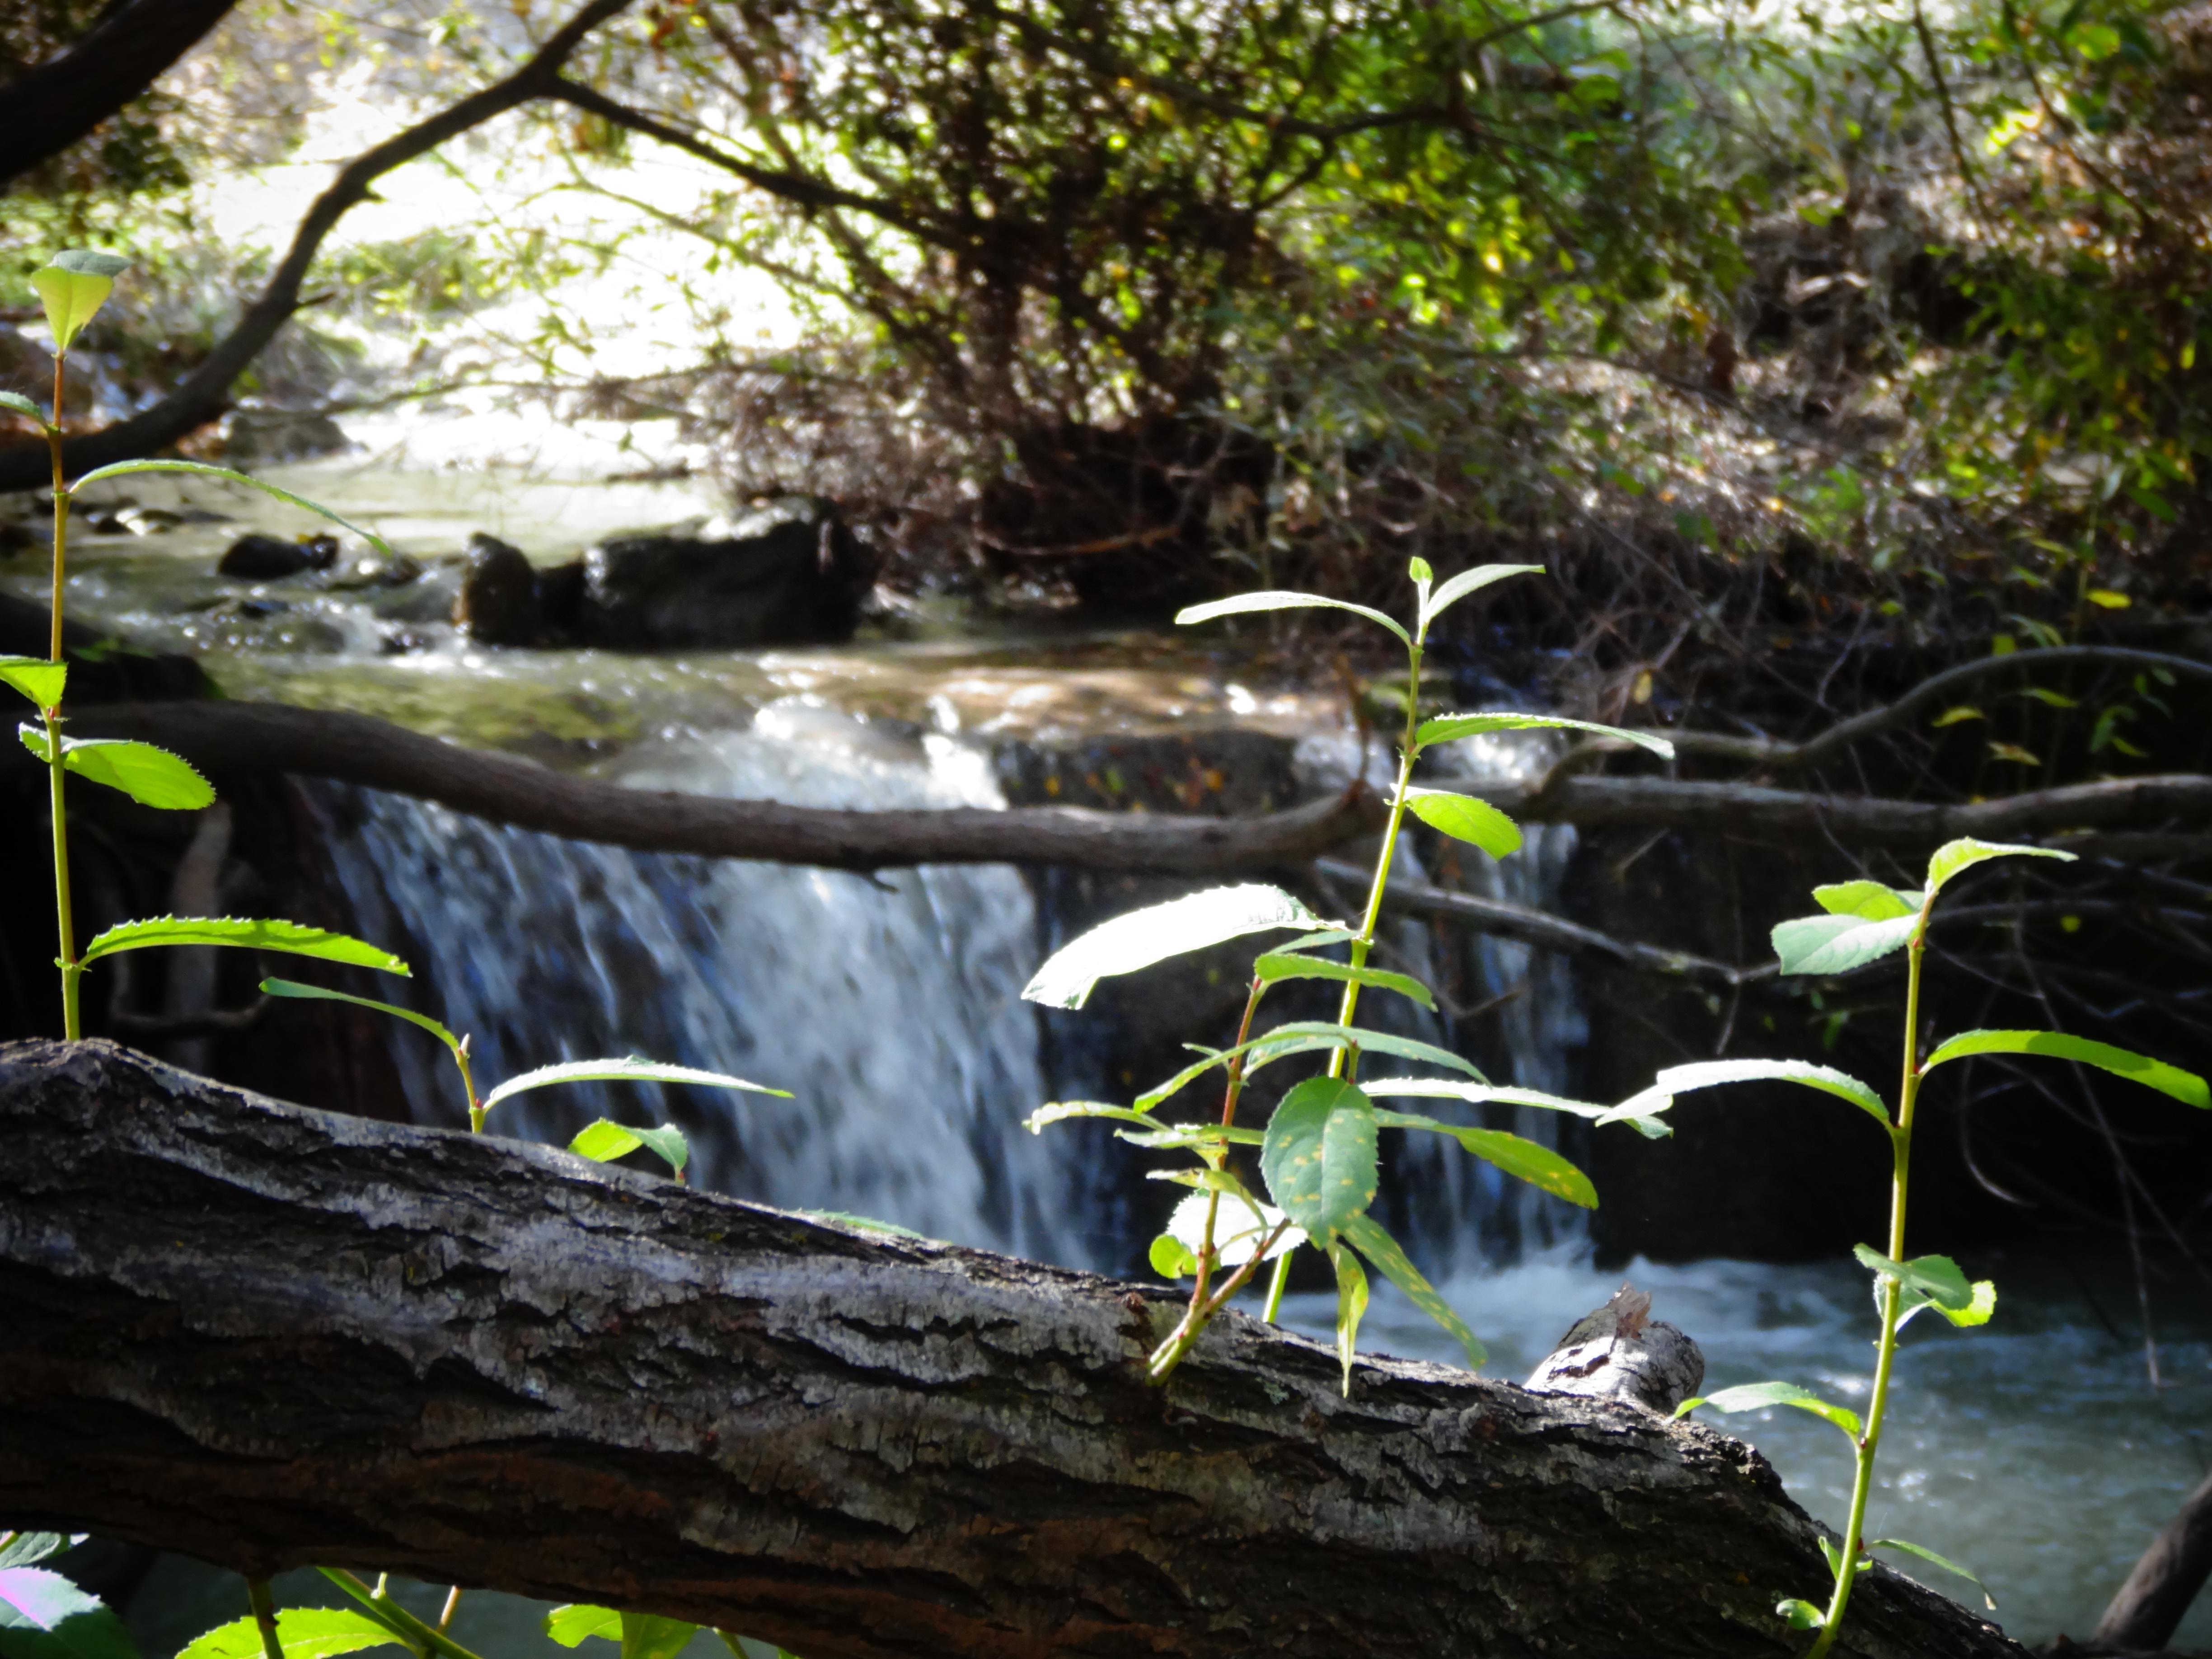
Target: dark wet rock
x=789 y=573
x=427 y=600
x=497 y=604
x=258 y=558
x=373 y=570
x=278 y=435
x=21 y=538
x=561 y=598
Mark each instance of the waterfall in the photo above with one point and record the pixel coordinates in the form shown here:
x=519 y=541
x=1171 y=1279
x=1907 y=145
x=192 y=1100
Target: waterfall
x=889 y=1005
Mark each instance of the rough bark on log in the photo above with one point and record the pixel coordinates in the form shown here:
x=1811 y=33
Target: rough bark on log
x=270 y=1336
x=2149 y=1607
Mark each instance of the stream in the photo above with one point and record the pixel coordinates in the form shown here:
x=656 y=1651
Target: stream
x=2034 y=1450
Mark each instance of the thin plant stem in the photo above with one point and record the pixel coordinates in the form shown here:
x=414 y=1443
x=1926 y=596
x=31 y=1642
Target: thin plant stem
x=1276 y=1287
x=427 y=1637
x=264 y=1617
x=1900 y=1179
x=453 y=1606
x=65 y=920
x=1234 y=1087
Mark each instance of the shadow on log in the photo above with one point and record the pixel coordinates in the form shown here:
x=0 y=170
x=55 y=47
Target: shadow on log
x=271 y=1336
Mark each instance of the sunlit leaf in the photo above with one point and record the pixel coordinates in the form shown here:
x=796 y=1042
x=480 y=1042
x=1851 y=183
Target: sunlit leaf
x=1869 y=900
x=27 y=1549
x=604 y=1140
x=1243 y=604
x=1935 y=1277
x=1800 y=1615
x=1059 y=1111
x=303 y=1634
x=1523 y=1159
x=150 y=776
x=200 y=469
x=291 y=987
x=1952 y=857
x=1707 y=1074
x=648 y=1636
x=570 y=1625
x=1351 y=1305
x=2185 y=1087
x=44 y=1616
x=1464 y=817
x=1954 y=716
x=628 y=1070
x=1444 y=729
x=1142 y=938
x=1326 y=937
x=1944 y=1562
x=2014 y=752
x=1367 y=1236
x=1240 y=1225
x=1836 y=944
x=1758 y=1396
x=248 y=933
x=1456 y=589
x=1307 y=1036
x=1319 y=1157
x=73 y=286
x=1278 y=964
x=35 y=677
x=1171 y=1258
x=16 y=403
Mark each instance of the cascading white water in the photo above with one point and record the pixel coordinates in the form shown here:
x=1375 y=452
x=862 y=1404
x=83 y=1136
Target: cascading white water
x=889 y=1006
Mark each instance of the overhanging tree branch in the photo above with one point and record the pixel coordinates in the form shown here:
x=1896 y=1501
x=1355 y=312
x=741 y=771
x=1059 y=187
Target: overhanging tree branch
x=60 y=101
x=272 y=1336
x=205 y=393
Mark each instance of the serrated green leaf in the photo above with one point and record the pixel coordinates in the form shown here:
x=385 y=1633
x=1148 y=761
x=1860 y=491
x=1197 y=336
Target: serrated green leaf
x=628 y=1070
x=1952 y=857
x=303 y=1634
x=1278 y=964
x=36 y=679
x=1240 y=1225
x=150 y=776
x=292 y=988
x=1160 y=931
x=1244 y=604
x=570 y=1625
x=18 y=404
x=1351 y=1305
x=1456 y=589
x=603 y=1141
x=88 y=262
x=1367 y=1236
x=1944 y=1562
x=1524 y=1160
x=648 y=1636
x=1319 y=1157
x=44 y=1616
x=1869 y=900
x=1800 y=1615
x=245 y=931
x=1935 y=1277
x=1758 y=1396
x=200 y=469
x=1306 y=1037
x=1190 y=1137
x=1706 y=1073
x=1464 y=817
x=2186 y=1087
x=1836 y=944
x=1444 y=729
x=27 y=1549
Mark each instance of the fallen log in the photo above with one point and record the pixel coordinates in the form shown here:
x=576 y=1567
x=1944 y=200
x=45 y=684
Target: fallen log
x=271 y=1336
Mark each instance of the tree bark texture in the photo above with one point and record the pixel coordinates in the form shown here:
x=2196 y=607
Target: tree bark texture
x=272 y=1336
x=117 y=60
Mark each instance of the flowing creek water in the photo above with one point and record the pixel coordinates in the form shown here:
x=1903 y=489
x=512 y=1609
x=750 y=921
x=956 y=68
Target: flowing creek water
x=2034 y=1450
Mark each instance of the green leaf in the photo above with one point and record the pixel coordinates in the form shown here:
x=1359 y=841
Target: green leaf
x=1367 y=1236
x=44 y=1616
x=1160 y=931
x=1757 y=1396
x=249 y=932
x=1705 y=1073
x=150 y=776
x=1933 y=1281
x=73 y=286
x=630 y=1070
x=1351 y=1305
x=1525 y=1160
x=1464 y=817
x=1192 y=1137
x=1830 y=1553
x=1953 y=857
x=1326 y=937
x=1418 y=571
x=200 y=469
x=1244 y=603
x=604 y=1140
x=1869 y=900
x=2186 y=1087
x=648 y=1636
x=36 y=679
x=1278 y=964
x=1059 y=1111
x=18 y=404
x=290 y=988
x=1836 y=945
x=570 y=1625
x=1171 y=1258
x=1944 y=1562
x=1304 y=1036
x=1240 y=1225
x=1319 y=1157
x=303 y=1633
x=1456 y=589
x=27 y=1549
x=1446 y=728
x=1800 y=1615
